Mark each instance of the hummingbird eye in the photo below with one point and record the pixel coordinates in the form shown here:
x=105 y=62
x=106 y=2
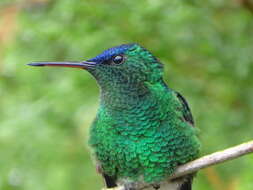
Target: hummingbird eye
x=118 y=59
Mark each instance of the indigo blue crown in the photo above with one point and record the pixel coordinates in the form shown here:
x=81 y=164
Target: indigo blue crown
x=109 y=53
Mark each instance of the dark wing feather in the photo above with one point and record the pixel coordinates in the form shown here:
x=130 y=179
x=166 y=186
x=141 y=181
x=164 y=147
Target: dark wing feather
x=186 y=110
x=187 y=116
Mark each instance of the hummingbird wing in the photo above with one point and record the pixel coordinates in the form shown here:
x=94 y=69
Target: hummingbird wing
x=187 y=116
x=186 y=109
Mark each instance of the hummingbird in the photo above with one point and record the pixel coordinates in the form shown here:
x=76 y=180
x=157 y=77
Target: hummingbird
x=143 y=129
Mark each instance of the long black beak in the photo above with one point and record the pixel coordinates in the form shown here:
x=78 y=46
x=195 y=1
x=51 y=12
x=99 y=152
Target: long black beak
x=81 y=65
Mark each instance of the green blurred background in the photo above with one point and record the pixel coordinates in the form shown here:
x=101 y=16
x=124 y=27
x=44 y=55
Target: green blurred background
x=45 y=113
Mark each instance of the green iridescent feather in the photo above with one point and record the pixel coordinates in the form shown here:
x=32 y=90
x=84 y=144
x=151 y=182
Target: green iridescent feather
x=143 y=129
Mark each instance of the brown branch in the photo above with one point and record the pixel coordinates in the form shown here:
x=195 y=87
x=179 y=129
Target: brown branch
x=208 y=160
x=214 y=158
x=248 y=4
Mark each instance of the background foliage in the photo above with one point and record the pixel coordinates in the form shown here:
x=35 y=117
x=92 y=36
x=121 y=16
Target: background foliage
x=45 y=113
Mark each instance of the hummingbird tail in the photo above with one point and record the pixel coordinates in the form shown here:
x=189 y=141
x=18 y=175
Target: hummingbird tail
x=187 y=184
x=110 y=182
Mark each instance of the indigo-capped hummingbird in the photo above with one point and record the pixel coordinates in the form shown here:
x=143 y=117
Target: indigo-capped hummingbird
x=143 y=129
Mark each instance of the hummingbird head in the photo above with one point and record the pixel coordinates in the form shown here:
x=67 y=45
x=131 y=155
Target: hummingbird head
x=126 y=66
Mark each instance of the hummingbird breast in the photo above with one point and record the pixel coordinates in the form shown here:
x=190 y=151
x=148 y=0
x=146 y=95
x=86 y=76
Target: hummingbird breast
x=141 y=139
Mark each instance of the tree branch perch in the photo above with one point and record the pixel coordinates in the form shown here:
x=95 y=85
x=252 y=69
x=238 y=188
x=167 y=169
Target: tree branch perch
x=209 y=160
x=214 y=158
